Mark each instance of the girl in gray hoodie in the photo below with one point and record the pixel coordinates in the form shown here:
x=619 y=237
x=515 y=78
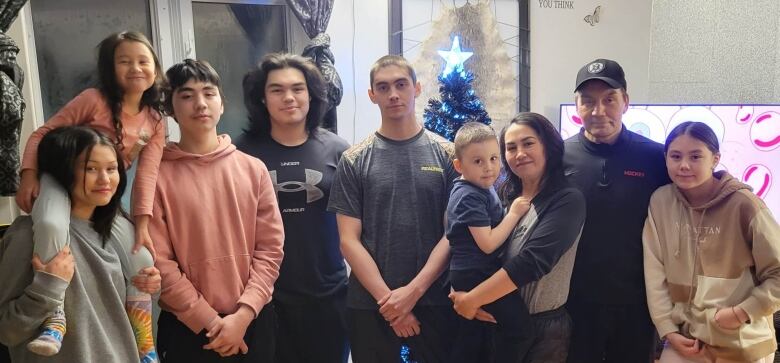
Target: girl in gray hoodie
x=85 y=163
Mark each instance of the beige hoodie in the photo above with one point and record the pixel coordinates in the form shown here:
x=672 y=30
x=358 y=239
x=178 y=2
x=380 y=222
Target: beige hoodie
x=721 y=254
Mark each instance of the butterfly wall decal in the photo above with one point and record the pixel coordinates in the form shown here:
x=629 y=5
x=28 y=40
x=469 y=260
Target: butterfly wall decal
x=592 y=19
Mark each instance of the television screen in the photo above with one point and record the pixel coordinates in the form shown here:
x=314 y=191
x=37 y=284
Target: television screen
x=749 y=137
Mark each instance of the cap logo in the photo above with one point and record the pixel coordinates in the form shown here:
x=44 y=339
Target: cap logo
x=595 y=67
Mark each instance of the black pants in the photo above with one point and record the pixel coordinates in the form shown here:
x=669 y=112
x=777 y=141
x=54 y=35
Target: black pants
x=611 y=333
x=553 y=332
x=312 y=332
x=373 y=340
x=478 y=341
x=176 y=343
x=4 y=356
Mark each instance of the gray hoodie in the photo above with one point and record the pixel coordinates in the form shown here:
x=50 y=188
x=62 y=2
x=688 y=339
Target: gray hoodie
x=98 y=329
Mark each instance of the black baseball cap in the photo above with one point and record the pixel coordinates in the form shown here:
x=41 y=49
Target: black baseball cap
x=605 y=70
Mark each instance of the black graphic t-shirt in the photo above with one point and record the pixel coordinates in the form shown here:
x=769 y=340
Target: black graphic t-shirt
x=313 y=266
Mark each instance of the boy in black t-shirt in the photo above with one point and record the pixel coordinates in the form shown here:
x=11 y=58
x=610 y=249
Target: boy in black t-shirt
x=476 y=229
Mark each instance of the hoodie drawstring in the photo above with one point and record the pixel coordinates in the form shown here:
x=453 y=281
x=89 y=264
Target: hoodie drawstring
x=695 y=253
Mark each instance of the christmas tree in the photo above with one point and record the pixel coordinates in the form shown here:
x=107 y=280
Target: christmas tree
x=458 y=104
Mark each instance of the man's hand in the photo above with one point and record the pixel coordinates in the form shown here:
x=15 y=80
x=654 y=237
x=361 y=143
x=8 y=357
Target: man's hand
x=406 y=326
x=398 y=302
x=227 y=335
x=148 y=280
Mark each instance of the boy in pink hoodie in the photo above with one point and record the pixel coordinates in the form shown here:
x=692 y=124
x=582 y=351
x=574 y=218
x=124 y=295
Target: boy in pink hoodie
x=217 y=231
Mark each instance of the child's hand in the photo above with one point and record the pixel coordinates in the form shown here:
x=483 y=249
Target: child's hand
x=520 y=206
x=148 y=280
x=142 y=236
x=685 y=346
x=29 y=186
x=727 y=318
x=62 y=265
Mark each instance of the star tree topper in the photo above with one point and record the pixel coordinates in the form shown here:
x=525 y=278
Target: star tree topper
x=454 y=57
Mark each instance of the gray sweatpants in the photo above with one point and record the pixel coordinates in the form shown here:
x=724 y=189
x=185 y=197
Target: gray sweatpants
x=51 y=231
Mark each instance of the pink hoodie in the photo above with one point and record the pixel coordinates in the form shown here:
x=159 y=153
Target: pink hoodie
x=217 y=231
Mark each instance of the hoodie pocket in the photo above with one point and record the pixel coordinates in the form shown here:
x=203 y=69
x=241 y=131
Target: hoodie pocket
x=714 y=293
x=221 y=280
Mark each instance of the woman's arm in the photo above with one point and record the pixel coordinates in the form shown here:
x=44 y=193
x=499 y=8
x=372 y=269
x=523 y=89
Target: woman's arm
x=27 y=297
x=555 y=232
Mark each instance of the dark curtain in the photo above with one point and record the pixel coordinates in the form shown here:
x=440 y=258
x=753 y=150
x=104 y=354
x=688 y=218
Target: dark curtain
x=251 y=18
x=314 y=16
x=11 y=105
x=8 y=11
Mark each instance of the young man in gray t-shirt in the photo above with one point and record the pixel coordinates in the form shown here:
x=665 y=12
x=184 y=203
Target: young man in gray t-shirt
x=390 y=196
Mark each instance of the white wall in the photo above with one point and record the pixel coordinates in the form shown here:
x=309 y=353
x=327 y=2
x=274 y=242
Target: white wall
x=358 y=31
x=562 y=42
x=715 y=51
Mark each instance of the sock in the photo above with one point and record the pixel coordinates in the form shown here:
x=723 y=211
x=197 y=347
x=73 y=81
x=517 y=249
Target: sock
x=139 y=311
x=49 y=342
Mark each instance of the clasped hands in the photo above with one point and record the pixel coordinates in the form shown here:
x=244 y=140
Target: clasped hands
x=226 y=334
x=396 y=307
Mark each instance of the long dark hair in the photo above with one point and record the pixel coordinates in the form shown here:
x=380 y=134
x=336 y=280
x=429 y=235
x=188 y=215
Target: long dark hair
x=552 y=142
x=57 y=155
x=108 y=86
x=254 y=91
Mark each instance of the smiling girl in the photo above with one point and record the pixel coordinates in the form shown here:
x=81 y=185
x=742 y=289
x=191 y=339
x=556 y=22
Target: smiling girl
x=711 y=258
x=125 y=106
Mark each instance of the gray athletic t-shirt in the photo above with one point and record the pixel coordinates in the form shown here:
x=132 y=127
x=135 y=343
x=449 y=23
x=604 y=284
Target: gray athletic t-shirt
x=399 y=191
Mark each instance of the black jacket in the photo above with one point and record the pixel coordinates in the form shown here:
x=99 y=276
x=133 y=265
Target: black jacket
x=617 y=181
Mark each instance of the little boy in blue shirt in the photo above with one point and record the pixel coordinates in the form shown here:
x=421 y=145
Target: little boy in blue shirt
x=476 y=229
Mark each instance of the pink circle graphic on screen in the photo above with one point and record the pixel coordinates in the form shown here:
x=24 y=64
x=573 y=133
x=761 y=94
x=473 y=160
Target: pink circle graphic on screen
x=759 y=178
x=700 y=114
x=765 y=131
x=744 y=114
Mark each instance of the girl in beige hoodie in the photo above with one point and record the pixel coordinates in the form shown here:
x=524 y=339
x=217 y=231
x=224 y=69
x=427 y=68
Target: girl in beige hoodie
x=711 y=258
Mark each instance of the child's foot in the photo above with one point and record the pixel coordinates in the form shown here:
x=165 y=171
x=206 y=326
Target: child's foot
x=50 y=340
x=139 y=311
x=150 y=357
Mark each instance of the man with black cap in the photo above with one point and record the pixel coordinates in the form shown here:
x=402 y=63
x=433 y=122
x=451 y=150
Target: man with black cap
x=617 y=170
